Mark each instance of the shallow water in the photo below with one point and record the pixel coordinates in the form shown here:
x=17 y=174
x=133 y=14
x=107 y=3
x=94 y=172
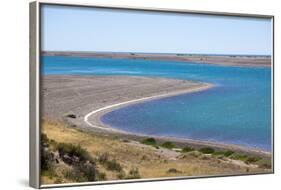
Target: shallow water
x=236 y=111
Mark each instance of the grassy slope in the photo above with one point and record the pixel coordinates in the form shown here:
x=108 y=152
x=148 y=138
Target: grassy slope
x=151 y=162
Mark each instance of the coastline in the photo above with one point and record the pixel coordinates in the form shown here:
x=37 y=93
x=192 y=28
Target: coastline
x=151 y=88
x=98 y=113
x=222 y=60
x=95 y=122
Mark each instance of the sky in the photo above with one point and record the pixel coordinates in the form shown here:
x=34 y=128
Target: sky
x=68 y=28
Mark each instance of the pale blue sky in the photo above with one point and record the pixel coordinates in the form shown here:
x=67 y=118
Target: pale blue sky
x=94 y=29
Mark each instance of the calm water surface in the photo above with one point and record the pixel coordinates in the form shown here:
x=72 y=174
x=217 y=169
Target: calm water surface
x=236 y=111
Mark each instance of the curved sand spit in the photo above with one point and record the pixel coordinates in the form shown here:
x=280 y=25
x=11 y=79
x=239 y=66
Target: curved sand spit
x=109 y=108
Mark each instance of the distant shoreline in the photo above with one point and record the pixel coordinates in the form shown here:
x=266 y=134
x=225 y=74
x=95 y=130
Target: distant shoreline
x=225 y=60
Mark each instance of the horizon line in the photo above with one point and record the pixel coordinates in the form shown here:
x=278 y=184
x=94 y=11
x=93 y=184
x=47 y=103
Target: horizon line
x=130 y=52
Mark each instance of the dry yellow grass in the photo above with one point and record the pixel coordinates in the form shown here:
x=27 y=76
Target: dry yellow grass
x=151 y=162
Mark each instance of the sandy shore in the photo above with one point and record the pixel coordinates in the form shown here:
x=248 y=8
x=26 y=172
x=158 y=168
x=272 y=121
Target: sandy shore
x=87 y=98
x=227 y=60
x=93 y=118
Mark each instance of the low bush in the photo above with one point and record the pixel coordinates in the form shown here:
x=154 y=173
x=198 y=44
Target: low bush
x=223 y=153
x=218 y=153
x=73 y=150
x=168 y=145
x=241 y=157
x=206 y=150
x=228 y=153
x=46 y=159
x=113 y=165
x=149 y=141
x=88 y=170
x=252 y=160
x=187 y=149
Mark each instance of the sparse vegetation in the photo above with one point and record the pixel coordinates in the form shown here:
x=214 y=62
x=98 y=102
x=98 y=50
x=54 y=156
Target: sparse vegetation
x=187 y=149
x=252 y=159
x=81 y=164
x=133 y=174
x=168 y=145
x=228 y=153
x=149 y=141
x=241 y=157
x=46 y=156
x=108 y=159
x=206 y=150
x=112 y=165
x=74 y=175
x=73 y=151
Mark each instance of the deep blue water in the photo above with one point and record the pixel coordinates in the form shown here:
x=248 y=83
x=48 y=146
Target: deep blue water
x=236 y=111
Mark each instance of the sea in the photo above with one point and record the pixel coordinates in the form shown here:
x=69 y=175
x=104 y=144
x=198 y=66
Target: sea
x=236 y=111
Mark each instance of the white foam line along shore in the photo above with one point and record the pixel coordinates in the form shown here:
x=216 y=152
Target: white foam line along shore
x=86 y=118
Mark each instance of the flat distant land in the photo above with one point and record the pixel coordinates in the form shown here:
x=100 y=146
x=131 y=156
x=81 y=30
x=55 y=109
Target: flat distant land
x=231 y=60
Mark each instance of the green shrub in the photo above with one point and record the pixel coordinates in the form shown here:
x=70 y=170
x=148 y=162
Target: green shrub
x=241 y=157
x=89 y=171
x=44 y=138
x=46 y=159
x=206 y=150
x=113 y=165
x=218 y=153
x=149 y=141
x=187 y=149
x=252 y=159
x=168 y=145
x=228 y=153
x=73 y=150
x=83 y=172
x=223 y=153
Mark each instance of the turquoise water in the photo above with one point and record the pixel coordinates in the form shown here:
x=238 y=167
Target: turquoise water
x=236 y=111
